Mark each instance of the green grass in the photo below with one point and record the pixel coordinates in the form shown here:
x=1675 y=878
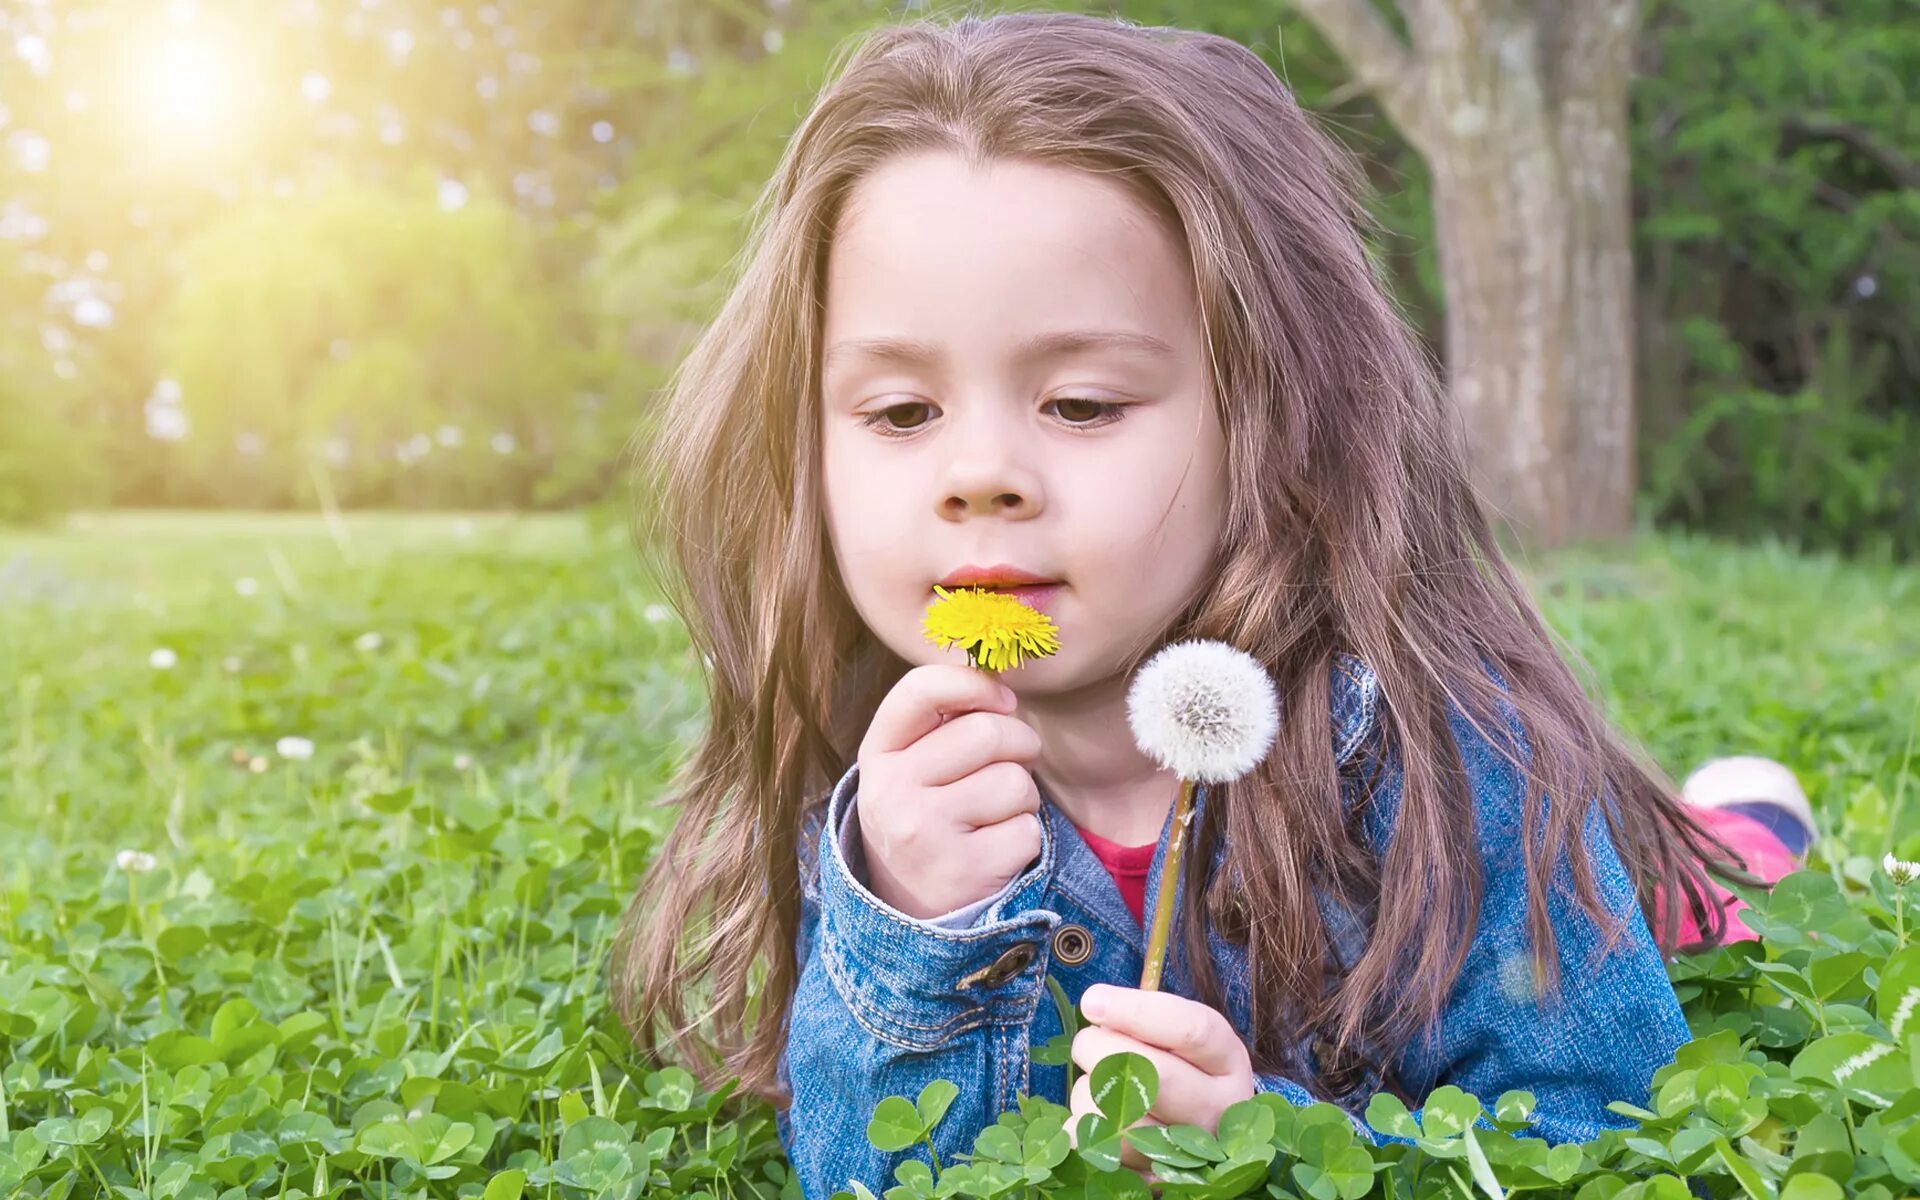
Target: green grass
x=381 y=967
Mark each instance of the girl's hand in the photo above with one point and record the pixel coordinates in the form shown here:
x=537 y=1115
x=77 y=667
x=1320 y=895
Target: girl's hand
x=949 y=812
x=1203 y=1064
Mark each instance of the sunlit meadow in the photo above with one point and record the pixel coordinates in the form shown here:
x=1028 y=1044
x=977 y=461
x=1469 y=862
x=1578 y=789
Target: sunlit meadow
x=318 y=832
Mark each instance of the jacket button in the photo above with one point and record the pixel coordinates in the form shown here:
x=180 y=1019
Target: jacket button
x=1009 y=964
x=1072 y=944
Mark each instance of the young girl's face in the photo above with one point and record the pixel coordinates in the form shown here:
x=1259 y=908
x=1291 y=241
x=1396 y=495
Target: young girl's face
x=1014 y=372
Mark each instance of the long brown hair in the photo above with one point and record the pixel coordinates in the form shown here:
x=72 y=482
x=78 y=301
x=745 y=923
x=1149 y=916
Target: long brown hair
x=1351 y=527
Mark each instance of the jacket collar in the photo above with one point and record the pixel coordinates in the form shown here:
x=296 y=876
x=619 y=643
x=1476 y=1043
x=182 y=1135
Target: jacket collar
x=1068 y=864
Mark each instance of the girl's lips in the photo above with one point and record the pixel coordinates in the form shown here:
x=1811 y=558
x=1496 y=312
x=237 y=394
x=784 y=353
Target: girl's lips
x=1040 y=596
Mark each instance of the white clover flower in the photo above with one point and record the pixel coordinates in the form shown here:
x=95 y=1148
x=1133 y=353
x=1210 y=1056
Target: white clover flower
x=463 y=528
x=135 y=862
x=258 y=764
x=657 y=613
x=463 y=762
x=246 y=585
x=367 y=642
x=163 y=659
x=1203 y=709
x=297 y=749
x=231 y=664
x=1899 y=870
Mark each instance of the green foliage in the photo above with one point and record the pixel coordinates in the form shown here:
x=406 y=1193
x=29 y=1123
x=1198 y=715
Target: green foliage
x=1799 y=1085
x=1778 y=195
x=378 y=970
x=1776 y=202
x=46 y=464
x=374 y=345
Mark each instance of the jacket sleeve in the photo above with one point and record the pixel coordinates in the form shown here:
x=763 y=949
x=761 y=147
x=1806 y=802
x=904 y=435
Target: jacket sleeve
x=1611 y=1022
x=964 y=917
x=886 y=1003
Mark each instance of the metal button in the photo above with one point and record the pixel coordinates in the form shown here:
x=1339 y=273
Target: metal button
x=1072 y=944
x=1005 y=967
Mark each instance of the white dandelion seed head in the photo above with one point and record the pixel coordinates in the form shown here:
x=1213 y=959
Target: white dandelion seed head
x=135 y=862
x=1203 y=709
x=294 y=748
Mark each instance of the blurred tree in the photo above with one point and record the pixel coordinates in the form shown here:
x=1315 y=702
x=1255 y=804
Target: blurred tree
x=406 y=352
x=1777 y=229
x=48 y=462
x=1520 y=112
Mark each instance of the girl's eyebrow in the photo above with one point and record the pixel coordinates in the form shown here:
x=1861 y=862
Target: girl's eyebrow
x=913 y=352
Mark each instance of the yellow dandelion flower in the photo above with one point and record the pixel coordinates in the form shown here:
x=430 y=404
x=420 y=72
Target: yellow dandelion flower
x=996 y=630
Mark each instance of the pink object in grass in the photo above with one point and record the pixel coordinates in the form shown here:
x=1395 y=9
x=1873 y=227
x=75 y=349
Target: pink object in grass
x=1764 y=854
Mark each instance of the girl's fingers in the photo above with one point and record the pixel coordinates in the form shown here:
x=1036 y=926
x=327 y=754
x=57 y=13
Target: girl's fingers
x=1184 y=1096
x=970 y=742
x=1198 y=1033
x=924 y=699
x=997 y=792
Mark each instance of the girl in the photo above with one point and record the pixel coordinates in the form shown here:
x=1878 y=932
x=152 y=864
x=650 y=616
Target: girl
x=1056 y=299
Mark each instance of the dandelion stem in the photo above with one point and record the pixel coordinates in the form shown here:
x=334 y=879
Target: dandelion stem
x=1163 y=895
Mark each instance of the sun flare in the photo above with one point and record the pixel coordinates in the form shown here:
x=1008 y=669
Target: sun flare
x=190 y=91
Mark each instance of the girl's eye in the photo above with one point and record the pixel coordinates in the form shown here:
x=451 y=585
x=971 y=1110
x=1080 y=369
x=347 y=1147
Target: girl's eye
x=878 y=421
x=1104 y=413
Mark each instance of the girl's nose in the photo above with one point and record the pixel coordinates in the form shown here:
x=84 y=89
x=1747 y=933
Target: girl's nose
x=992 y=484
x=979 y=503
x=991 y=468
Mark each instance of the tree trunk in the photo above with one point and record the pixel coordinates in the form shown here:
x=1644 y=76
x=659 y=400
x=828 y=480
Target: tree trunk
x=1520 y=112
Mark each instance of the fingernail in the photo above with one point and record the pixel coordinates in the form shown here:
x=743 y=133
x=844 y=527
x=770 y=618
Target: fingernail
x=1091 y=1005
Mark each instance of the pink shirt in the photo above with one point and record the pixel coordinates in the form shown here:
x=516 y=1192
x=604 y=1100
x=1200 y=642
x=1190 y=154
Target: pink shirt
x=1763 y=853
x=1128 y=865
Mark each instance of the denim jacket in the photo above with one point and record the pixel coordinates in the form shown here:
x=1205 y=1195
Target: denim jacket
x=886 y=1002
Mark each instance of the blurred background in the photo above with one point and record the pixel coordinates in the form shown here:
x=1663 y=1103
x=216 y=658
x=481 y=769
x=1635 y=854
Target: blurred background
x=407 y=254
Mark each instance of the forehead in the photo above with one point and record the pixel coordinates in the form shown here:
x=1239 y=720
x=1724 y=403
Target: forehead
x=976 y=258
